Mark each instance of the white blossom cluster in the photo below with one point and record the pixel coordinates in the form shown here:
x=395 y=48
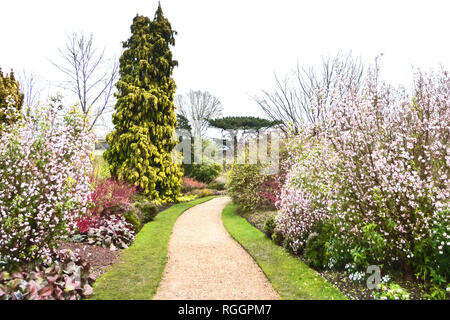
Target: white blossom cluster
x=44 y=182
x=379 y=156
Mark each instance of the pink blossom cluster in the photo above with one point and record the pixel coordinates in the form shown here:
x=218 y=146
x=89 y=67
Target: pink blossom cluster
x=377 y=156
x=44 y=182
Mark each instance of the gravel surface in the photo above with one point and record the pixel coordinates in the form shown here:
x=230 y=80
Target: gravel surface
x=204 y=262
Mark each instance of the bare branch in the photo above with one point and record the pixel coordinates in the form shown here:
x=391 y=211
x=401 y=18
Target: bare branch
x=91 y=76
x=198 y=106
x=305 y=93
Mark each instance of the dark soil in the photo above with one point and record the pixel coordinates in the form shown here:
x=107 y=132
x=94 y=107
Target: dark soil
x=99 y=258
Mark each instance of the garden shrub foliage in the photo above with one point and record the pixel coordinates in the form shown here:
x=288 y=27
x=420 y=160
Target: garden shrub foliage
x=378 y=164
x=190 y=184
x=11 y=100
x=44 y=182
x=143 y=137
x=249 y=187
x=204 y=172
x=64 y=275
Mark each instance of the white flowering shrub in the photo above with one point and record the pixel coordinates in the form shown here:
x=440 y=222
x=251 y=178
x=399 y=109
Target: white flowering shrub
x=44 y=182
x=378 y=165
x=391 y=292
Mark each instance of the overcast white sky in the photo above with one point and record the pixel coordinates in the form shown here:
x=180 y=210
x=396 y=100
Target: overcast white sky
x=232 y=48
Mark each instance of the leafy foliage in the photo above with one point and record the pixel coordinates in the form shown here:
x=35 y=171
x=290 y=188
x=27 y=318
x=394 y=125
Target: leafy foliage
x=204 y=172
x=377 y=164
x=44 y=182
x=190 y=184
x=11 y=100
x=62 y=276
x=242 y=123
x=391 y=291
x=142 y=140
x=245 y=184
x=111 y=231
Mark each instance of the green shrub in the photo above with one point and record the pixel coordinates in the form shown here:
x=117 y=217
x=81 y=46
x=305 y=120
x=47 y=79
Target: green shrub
x=391 y=292
x=243 y=186
x=204 y=172
x=134 y=217
x=148 y=210
x=216 y=185
x=269 y=226
x=278 y=238
x=202 y=192
x=129 y=212
x=316 y=246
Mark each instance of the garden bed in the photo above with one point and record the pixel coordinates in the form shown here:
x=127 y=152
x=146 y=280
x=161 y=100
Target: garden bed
x=353 y=290
x=99 y=258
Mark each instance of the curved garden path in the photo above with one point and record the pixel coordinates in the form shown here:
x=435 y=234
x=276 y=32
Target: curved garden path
x=204 y=262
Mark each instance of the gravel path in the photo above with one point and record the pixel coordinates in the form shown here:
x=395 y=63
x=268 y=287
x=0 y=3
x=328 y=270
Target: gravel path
x=204 y=262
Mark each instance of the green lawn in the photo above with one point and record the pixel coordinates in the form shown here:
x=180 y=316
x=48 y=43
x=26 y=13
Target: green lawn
x=290 y=277
x=139 y=269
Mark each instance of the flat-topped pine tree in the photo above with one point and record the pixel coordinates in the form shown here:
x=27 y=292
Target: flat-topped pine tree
x=142 y=140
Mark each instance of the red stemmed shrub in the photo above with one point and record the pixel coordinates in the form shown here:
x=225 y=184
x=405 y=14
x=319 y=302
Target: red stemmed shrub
x=190 y=184
x=270 y=189
x=107 y=195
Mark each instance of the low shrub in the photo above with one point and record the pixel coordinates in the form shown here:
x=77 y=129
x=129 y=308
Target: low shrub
x=244 y=186
x=278 y=237
x=391 y=291
x=109 y=194
x=147 y=209
x=62 y=276
x=216 y=185
x=190 y=184
x=269 y=226
x=187 y=198
x=202 y=192
x=317 y=243
x=204 y=172
x=111 y=231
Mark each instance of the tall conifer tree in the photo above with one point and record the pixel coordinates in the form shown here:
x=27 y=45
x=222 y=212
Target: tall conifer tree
x=11 y=99
x=141 y=143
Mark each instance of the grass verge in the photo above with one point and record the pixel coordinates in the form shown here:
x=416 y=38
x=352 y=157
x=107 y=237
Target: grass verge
x=139 y=269
x=290 y=277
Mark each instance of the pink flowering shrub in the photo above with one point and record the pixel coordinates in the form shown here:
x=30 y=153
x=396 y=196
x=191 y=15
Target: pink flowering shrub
x=44 y=182
x=378 y=166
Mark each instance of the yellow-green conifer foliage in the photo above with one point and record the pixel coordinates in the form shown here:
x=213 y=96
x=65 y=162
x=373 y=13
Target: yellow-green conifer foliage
x=11 y=99
x=141 y=143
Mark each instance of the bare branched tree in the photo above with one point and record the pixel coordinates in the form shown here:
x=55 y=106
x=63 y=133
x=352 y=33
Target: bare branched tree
x=304 y=94
x=91 y=76
x=31 y=87
x=198 y=107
